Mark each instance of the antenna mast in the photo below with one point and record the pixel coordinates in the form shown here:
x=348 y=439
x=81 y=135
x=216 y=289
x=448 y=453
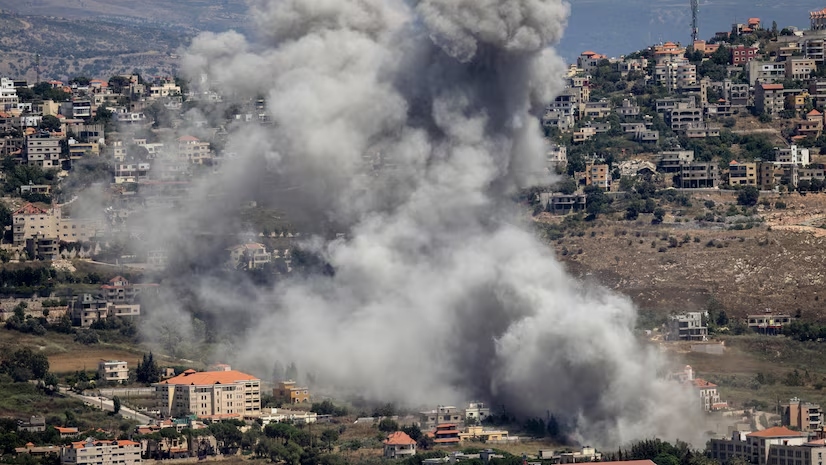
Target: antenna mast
x=695 y=13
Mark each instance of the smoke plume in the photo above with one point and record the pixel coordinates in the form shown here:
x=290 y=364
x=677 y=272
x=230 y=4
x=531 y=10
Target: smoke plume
x=407 y=126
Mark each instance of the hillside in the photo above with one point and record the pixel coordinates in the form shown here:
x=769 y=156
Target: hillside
x=681 y=264
x=93 y=47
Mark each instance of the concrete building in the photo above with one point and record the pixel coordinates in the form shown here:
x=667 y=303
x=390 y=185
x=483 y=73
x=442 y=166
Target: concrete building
x=447 y=414
x=768 y=323
x=817 y=20
x=35 y=424
x=813 y=47
x=279 y=415
x=119 y=290
x=249 y=256
x=598 y=175
x=113 y=370
x=210 y=395
x=43 y=150
x=101 y=452
x=562 y=204
x=484 y=434
x=792 y=155
x=766 y=72
x=675 y=75
x=769 y=99
x=740 y=54
x=289 y=392
x=8 y=95
x=803 y=416
x=446 y=434
x=681 y=119
x=477 y=411
x=800 y=69
x=191 y=148
x=699 y=175
x=742 y=174
x=399 y=444
x=628 y=109
x=671 y=161
x=687 y=327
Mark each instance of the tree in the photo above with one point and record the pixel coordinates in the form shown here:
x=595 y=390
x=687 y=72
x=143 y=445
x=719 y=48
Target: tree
x=596 y=200
x=413 y=431
x=50 y=123
x=291 y=373
x=118 y=83
x=116 y=405
x=80 y=80
x=329 y=437
x=748 y=196
x=148 y=370
x=388 y=426
x=227 y=434
x=659 y=214
x=425 y=442
x=567 y=186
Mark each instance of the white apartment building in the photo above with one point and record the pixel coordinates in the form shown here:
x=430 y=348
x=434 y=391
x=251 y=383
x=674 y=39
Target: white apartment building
x=210 y=395
x=43 y=150
x=101 y=452
x=8 y=94
x=113 y=370
x=793 y=155
x=477 y=411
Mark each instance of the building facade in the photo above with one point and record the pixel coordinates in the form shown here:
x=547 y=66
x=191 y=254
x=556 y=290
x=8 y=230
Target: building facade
x=210 y=395
x=101 y=452
x=115 y=371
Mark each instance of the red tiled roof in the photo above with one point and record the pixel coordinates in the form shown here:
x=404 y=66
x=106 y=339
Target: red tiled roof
x=30 y=209
x=772 y=86
x=188 y=139
x=117 y=278
x=814 y=113
x=399 y=438
x=775 y=432
x=703 y=384
x=446 y=440
x=209 y=377
x=63 y=430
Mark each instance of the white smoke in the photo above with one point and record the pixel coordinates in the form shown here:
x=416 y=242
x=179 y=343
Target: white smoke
x=440 y=293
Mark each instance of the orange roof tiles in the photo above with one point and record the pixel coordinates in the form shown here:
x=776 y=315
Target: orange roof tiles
x=188 y=139
x=775 y=432
x=63 y=430
x=399 y=438
x=209 y=377
x=703 y=384
x=772 y=86
x=814 y=113
x=30 y=209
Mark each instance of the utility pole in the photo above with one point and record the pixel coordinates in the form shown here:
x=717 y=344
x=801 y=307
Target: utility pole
x=695 y=11
x=37 y=67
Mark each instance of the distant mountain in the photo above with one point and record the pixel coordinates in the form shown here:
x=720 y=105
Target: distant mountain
x=615 y=27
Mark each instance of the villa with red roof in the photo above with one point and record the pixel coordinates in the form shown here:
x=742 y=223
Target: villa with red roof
x=768 y=447
x=399 y=444
x=93 y=451
x=210 y=395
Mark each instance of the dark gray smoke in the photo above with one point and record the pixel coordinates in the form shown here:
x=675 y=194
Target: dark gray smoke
x=408 y=125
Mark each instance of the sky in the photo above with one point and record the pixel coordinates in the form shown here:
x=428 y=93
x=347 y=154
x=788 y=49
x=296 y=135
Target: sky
x=617 y=28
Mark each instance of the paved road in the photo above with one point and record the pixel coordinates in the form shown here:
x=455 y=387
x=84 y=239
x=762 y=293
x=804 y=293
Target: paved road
x=108 y=405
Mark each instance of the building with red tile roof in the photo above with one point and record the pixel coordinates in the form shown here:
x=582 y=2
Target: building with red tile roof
x=446 y=434
x=93 y=452
x=399 y=444
x=210 y=394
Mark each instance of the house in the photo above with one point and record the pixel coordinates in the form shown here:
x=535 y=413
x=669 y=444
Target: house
x=766 y=71
x=248 y=256
x=441 y=414
x=288 y=392
x=813 y=47
x=483 y=434
x=119 y=290
x=699 y=175
x=115 y=371
x=88 y=309
x=586 y=455
x=399 y=444
x=191 y=148
x=628 y=109
x=446 y=434
x=35 y=424
x=8 y=94
x=562 y=204
x=792 y=155
x=598 y=175
x=675 y=75
x=769 y=99
x=67 y=432
x=812 y=126
x=671 y=161
x=768 y=323
x=681 y=119
x=817 y=20
x=583 y=134
x=298 y=417
x=799 y=68
x=37 y=451
x=210 y=395
x=758 y=447
x=742 y=174
x=477 y=411
x=687 y=327
x=708 y=394
x=95 y=452
x=42 y=150
x=740 y=55
x=668 y=52
x=802 y=416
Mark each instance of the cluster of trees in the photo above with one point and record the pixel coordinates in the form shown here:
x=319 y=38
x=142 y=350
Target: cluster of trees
x=661 y=453
x=326 y=407
x=23 y=365
x=805 y=331
x=148 y=370
x=285 y=443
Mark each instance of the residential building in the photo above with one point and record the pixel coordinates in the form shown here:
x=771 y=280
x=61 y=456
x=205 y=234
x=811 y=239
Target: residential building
x=672 y=161
x=279 y=415
x=810 y=453
x=687 y=327
x=701 y=130
x=399 y=444
x=67 y=432
x=446 y=414
x=35 y=424
x=557 y=157
x=191 y=148
x=30 y=188
x=446 y=434
x=737 y=95
x=709 y=397
x=628 y=109
x=584 y=134
x=792 y=155
x=42 y=150
x=8 y=95
x=814 y=48
x=768 y=323
x=740 y=54
x=210 y=395
x=289 y=392
x=803 y=416
x=119 y=290
x=742 y=174
x=248 y=256
x=758 y=447
x=817 y=20
x=699 y=175
x=585 y=455
x=668 y=52
x=681 y=119
x=598 y=175
x=101 y=452
x=675 y=75
x=812 y=126
x=769 y=99
x=484 y=434
x=766 y=71
x=115 y=371
x=88 y=309
x=477 y=411
x=562 y=204
x=799 y=68
x=589 y=60
x=30 y=221
x=600 y=109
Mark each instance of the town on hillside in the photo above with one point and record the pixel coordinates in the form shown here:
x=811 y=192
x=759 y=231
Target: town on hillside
x=730 y=129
